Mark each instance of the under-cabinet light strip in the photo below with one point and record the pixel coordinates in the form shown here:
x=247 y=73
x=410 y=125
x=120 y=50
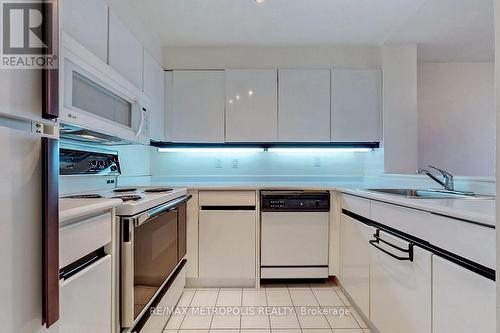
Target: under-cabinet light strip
x=257 y=150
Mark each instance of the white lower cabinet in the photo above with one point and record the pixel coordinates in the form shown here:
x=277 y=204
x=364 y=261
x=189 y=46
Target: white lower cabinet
x=462 y=301
x=355 y=261
x=227 y=246
x=400 y=290
x=85 y=300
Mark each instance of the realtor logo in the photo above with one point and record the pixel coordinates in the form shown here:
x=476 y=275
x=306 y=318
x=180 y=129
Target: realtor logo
x=27 y=34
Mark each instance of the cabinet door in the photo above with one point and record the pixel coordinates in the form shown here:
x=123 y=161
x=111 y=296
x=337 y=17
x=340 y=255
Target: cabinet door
x=85 y=299
x=304 y=105
x=251 y=105
x=356 y=105
x=154 y=87
x=355 y=261
x=400 y=290
x=168 y=104
x=462 y=301
x=227 y=244
x=87 y=22
x=198 y=106
x=125 y=51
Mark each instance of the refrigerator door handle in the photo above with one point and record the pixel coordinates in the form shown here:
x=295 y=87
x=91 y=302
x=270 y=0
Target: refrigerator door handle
x=50 y=220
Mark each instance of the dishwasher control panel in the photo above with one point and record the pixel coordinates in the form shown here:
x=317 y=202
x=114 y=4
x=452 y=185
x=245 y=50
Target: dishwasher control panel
x=293 y=201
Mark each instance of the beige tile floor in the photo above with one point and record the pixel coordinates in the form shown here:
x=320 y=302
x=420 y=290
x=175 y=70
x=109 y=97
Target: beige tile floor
x=285 y=308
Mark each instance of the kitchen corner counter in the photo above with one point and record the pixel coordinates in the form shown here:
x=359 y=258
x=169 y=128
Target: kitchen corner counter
x=476 y=211
x=70 y=209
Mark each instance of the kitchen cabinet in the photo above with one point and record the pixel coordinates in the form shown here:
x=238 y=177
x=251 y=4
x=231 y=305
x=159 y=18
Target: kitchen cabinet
x=87 y=23
x=462 y=301
x=154 y=87
x=304 y=105
x=355 y=261
x=198 y=106
x=86 y=299
x=251 y=105
x=356 y=106
x=227 y=238
x=125 y=51
x=168 y=104
x=400 y=288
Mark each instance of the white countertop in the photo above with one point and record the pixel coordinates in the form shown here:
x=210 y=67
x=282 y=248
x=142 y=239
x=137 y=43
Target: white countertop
x=70 y=209
x=479 y=211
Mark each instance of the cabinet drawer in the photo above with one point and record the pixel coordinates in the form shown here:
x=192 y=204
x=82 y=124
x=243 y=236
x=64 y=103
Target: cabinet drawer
x=227 y=198
x=468 y=240
x=411 y=221
x=79 y=239
x=443 y=232
x=356 y=205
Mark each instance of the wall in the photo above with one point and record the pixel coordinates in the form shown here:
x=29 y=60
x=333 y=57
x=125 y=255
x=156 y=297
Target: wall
x=271 y=57
x=266 y=164
x=400 y=108
x=456 y=117
x=497 y=109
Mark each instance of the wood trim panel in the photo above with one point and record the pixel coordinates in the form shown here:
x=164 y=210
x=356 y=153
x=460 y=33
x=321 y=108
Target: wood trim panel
x=50 y=220
x=50 y=76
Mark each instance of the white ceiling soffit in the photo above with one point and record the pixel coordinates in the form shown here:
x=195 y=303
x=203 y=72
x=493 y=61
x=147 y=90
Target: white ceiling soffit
x=275 y=22
x=445 y=30
x=451 y=30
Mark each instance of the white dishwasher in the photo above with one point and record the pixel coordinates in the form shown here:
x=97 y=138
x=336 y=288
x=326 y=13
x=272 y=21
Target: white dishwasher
x=294 y=234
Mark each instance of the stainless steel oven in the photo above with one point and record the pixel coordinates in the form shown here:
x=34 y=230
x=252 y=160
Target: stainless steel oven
x=152 y=244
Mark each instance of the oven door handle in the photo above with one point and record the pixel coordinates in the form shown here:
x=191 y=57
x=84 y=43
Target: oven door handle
x=169 y=206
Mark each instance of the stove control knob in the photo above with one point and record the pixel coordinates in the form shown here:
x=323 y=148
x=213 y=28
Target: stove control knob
x=93 y=163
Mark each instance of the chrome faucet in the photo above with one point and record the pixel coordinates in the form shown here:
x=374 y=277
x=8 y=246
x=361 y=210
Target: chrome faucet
x=447 y=182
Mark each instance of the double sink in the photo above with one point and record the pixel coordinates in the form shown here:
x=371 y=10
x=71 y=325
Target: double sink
x=432 y=194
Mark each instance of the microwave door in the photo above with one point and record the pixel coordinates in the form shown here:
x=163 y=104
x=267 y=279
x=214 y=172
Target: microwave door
x=96 y=103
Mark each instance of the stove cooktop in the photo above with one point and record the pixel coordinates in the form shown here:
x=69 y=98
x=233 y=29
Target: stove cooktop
x=135 y=200
x=158 y=190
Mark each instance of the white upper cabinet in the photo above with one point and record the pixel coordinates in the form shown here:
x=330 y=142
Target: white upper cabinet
x=87 y=22
x=198 y=106
x=125 y=51
x=304 y=105
x=356 y=105
x=154 y=87
x=251 y=105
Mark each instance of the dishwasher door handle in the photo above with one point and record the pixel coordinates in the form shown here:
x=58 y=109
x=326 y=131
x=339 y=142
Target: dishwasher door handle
x=375 y=243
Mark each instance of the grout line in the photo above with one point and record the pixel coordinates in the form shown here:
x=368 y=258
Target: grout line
x=320 y=306
x=215 y=305
x=184 y=316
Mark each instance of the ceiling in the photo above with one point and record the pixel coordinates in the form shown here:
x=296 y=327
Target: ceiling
x=445 y=30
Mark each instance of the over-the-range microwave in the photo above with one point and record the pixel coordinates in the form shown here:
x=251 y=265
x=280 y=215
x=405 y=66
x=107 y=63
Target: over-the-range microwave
x=96 y=108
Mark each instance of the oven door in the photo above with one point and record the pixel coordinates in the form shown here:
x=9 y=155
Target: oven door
x=150 y=253
x=93 y=101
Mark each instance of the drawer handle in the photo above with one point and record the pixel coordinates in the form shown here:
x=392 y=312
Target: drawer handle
x=377 y=240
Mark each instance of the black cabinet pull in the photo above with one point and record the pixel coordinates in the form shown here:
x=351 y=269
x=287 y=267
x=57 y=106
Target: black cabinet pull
x=378 y=240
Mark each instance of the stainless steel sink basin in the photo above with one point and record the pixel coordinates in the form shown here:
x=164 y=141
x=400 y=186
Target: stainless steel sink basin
x=432 y=194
